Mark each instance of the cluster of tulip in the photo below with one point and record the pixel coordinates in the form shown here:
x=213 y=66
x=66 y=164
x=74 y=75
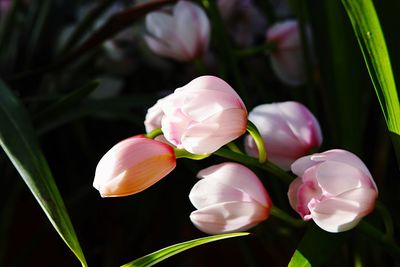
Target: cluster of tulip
x=333 y=188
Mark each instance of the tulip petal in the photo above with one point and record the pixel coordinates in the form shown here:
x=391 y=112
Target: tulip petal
x=335 y=215
x=224 y=128
x=336 y=178
x=228 y=217
x=239 y=177
x=346 y=157
x=293 y=192
x=132 y=165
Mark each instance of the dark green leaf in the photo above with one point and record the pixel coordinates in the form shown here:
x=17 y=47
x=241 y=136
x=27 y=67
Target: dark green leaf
x=17 y=138
x=316 y=247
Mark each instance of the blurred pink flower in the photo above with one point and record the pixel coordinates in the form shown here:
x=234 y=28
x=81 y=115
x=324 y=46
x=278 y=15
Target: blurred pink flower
x=201 y=116
x=334 y=188
x=183 y=35
x=133 y=165
x=5 y=6
x=229 y=198
x=287 y=59
x=289 y=131
x=243 y=20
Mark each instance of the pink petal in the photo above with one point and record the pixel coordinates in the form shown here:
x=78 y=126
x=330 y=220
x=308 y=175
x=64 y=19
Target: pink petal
x=213 y=133
x=302 y=164
x=229 y=217
x=238 y=177
x=133 y=165
x=336 y=178
x=293 y=192
x=335 y=215
x=346 y=157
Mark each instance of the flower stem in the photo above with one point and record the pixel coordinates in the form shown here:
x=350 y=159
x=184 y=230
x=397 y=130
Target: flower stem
x=153 y=134
x=387 y=219
x=250 y=161
x=282 y=215
x=381 y=238
x=256 y=50
x=232 y=146
x=253 y=131
x=182 y=153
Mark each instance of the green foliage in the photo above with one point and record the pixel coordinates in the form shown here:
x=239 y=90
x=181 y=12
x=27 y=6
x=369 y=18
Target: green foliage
x=19 y=142
x=162 y=254
x=370 y=37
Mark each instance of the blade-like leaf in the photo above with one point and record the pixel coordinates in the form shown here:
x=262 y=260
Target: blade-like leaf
x=368 y=31
x=68 y=101
x=162 y=254
x=316 y=247
x=18 y=140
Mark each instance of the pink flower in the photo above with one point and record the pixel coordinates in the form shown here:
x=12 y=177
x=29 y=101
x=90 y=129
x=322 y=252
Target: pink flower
x=229 y=198
x=334 y=188
x=289 y=131
x=287 y=59
x=201 y=116
x=183 y=35
x=133 y=165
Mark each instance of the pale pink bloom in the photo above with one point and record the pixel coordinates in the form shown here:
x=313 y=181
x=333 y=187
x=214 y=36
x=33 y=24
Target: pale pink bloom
x=287 y=59
x=133 y=165
x=334 y=188
x=5 y=6
x=183 y=35
x=289 y=131
x=201 y=116
x=229 y=198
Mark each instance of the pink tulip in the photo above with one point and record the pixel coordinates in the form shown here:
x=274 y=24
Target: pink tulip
x=201 y=116
x=133 y=165
x=289 y=131
x=334 y=188
x=183 y=35
x=287 y=59
x=229 y=198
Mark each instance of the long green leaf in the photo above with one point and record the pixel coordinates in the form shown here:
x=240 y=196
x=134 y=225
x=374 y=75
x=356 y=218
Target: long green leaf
x=162 y=254
x=370 y=37
x=316 y=247
x=17 y=138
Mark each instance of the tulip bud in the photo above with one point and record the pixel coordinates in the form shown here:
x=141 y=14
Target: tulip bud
x=287 y=60
x=334 y=188
x=229 y=198
x=289 y=131
x=133 y=165
x=183 y=35
x=201 y=116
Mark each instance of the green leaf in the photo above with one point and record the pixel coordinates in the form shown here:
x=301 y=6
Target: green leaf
x=162 y=254
x=67 y=101
x=370 y=37
x=316 y=247
x=18 y=140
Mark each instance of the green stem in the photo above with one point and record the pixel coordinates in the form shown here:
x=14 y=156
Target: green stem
x=250 y=161
x=387 y=219
x=200 y=66
x=153 y=134
x=232 y=146
x=282 y=215
x=227 y=54
x=268 y=47
x=381 y=238
x=182 y=153
x=253 y=131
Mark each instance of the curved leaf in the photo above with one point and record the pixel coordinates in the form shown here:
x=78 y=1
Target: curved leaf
x=370 y=37
x=18 y=140
x=162 y=254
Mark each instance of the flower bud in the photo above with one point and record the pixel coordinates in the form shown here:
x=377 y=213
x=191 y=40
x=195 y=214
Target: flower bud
x=287 y=59
x=229 y=198
x=183 y=35
x=334 y=188
x=133 y=165
x=289 y=131
x=201 y=116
